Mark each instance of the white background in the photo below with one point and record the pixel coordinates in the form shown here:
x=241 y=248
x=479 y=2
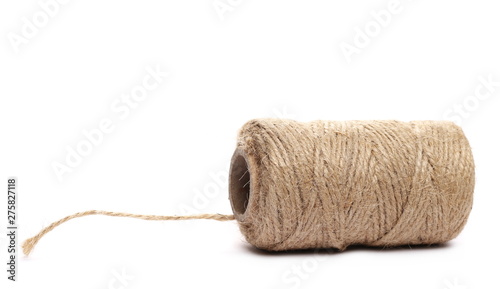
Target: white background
x=170 y=155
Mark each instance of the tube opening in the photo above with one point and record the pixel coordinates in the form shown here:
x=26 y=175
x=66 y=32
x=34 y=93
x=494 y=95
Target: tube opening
x=239 y=183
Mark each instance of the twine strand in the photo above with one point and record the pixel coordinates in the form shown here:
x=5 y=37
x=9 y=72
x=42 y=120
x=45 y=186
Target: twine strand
x=30 y=243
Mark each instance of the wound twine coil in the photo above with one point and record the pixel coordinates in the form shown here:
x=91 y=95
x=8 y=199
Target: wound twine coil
x=332 y=184
x=327 y=184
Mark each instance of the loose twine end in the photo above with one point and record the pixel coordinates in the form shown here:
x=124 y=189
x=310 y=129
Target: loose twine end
x=29 y=244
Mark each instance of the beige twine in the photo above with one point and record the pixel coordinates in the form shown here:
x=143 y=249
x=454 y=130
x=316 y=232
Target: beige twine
x=331 y=184
x=30 y=243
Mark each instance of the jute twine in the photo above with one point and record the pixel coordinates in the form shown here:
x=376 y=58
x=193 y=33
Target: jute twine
x=331 y=184
x=30 y=243
x=327 y=184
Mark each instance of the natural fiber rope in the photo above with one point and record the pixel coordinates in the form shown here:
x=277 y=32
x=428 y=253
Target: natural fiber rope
x=30 y=243
x=331 y=184
x=325 y=184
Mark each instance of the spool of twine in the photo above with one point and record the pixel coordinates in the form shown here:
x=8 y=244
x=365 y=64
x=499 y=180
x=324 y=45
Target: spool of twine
x=331 y=184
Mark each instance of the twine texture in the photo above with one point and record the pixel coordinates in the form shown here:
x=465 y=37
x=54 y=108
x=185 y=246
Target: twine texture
x=29 y=244
x=332 y=184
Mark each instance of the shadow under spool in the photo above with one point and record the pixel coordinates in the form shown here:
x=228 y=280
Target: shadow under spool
x=295 y=185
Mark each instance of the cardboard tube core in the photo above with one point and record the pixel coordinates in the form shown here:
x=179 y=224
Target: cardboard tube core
x=239 y=183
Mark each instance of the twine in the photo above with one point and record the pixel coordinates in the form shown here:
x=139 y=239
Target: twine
x=331 y=184
x=30 y=243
